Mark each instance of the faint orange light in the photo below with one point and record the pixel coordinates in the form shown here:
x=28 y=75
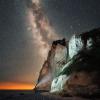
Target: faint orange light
x=16 y=86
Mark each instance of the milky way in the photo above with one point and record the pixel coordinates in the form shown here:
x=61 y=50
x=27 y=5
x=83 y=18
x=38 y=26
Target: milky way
x=43 y=33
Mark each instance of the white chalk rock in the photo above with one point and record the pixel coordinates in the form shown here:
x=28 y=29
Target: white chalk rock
x=58 y=83
x=75 y=45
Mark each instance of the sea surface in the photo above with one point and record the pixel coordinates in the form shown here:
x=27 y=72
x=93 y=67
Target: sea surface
x=31 y=95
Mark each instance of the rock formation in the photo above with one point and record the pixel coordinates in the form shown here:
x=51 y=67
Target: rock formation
x=55 y=60
x=74 y=66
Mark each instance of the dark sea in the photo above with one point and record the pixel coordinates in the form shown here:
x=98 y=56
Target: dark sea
x=31 y=95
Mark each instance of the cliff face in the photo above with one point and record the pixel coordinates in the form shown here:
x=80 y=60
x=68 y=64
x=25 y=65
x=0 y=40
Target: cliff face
x=44 y=79
x=55 y=60
x=73 y=67
x=80 y=75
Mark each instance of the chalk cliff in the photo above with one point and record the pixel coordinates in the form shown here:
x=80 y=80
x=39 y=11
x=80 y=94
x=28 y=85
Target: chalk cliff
x=55 y=61
x=73 y=67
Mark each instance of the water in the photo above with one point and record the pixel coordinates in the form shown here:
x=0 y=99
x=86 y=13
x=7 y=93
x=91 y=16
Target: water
x=31 y=95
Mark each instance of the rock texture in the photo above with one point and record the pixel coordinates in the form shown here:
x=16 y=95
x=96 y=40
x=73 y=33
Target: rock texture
x=73 y=67
x=55 y=61
x=80 y=75
x=44 y=80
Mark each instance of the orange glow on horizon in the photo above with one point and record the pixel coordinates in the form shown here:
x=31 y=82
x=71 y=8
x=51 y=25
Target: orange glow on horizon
x=16 y=86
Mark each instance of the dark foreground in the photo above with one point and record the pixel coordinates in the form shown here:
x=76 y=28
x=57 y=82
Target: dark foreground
x=31 y=95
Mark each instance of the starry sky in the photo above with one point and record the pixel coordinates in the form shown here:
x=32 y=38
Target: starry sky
x=28 y=27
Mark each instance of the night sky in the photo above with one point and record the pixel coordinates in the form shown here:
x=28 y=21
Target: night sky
x=26 y=34
x=73 y=16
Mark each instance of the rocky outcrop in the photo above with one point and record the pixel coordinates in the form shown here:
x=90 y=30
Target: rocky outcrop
x=80 y=75
x=72 y=67
x=55 y=60
x=44 y=80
